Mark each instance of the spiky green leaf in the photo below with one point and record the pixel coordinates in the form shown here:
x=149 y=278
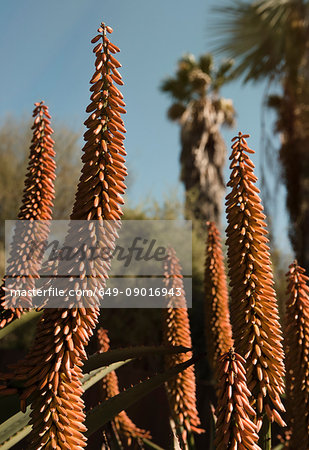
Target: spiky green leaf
x=106 y=411
x=16 y=427
x=25 y=318
x=104 y=359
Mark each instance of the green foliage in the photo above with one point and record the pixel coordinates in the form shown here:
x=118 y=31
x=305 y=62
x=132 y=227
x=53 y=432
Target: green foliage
x=96 y=375
x=106 y=411
x=14 y=326
x=151 y=444
x=102 y=359
x=16 y=427
x=22 y=333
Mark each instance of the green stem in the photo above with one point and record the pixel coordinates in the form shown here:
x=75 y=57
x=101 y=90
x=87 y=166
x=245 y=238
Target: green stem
x=212 y=431
x=151 y=444
x=190 y=440
x=265 y=434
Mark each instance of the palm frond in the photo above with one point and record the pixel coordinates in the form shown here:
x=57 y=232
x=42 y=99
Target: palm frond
x=256 y=35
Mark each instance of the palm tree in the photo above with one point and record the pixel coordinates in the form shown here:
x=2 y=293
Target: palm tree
x=269 y=39
x=200 y=112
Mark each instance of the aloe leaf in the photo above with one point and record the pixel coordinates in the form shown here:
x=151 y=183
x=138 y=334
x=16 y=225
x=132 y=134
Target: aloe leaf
x=107 y=410
x=25 y=318
x=100 y=360
x=151 y=444
x=16 y=427
x=96 y=375
x=104 y=359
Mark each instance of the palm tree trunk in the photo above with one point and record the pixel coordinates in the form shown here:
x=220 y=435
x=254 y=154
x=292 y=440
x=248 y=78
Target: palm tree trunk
x=202 y=161
x=294 y=156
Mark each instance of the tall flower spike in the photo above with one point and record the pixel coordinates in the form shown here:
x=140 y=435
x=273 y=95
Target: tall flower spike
x=124 y=426
x=217 y=316
x=297 y=356
x=235 y=428
x=52 y=368
x=181 y=390
x=254 y=310
x=37 y=203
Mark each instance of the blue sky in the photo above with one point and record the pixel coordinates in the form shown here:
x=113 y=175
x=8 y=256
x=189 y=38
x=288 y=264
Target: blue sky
x=46 y=55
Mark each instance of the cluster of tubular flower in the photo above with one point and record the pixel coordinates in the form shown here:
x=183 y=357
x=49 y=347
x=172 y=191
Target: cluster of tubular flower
x=181 y=390
x=34 y=215
x=235 y=427
x=124 y=426
x=217 y=316
x=297 y=357
x=254 y=311
x=51 y=370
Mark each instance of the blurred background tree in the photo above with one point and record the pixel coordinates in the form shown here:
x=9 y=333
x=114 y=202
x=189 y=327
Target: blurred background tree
x=269 y=39
x=201 y=112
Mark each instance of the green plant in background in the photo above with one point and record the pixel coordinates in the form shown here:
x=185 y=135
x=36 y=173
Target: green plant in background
x=15 y=137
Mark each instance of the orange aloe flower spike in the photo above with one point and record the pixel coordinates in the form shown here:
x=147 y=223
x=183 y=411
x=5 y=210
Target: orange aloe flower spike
x=181 y=390
x=297 y=356
x=52 y=368
x=235 y=427
x=217 y=316
x=254 y=310
x=37 y=203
